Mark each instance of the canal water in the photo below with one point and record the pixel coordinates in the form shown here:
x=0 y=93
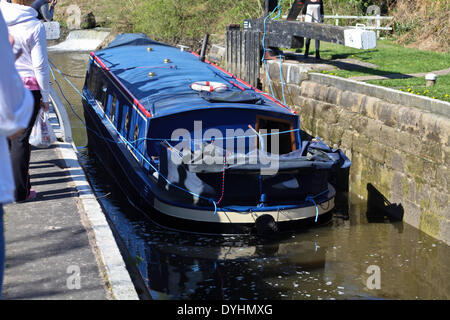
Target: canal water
x=350 y=258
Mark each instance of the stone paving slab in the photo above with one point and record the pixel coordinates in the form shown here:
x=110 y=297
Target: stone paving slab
x=48 y=252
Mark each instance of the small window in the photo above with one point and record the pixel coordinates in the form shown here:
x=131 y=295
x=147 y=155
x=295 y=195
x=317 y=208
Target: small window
x=112 y=114
x=95 y=80
x=136 y=133
x=103 y=96
x=285 y=142
x=127 y=122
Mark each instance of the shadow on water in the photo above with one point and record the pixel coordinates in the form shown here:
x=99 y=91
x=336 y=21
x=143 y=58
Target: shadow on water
x=327 y=262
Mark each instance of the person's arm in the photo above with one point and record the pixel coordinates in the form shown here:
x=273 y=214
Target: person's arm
x=16 y=102
x=40 y=61
x=47 y=12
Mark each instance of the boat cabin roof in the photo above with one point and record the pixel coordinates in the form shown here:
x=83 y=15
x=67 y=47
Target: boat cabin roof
x=158 y=77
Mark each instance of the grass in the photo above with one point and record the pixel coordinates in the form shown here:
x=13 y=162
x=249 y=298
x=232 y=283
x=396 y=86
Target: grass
x=391 y=58
x=441 y=90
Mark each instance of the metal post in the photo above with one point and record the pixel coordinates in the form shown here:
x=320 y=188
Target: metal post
x=205 y=44
x=378 y=25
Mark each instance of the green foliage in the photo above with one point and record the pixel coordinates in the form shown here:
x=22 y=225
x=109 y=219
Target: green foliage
x=424 y=24
x=188 y=20
x=389 y=57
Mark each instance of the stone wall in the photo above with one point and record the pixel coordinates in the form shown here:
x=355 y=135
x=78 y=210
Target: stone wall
x=397 y=141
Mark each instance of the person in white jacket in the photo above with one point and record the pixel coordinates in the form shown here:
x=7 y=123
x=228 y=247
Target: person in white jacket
x=16 y=107
x=30 y=38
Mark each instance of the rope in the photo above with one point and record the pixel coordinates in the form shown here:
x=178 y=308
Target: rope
x=311 y=199
x=223 y=178
x=279 y=7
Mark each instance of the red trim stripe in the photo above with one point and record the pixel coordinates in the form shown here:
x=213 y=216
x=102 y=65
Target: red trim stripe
x=236 y=85
x=100 y=62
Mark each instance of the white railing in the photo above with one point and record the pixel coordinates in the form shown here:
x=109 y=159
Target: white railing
x=373 y=26
x=373 y=13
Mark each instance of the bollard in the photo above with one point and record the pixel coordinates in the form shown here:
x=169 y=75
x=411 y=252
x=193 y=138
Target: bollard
x=431 y=79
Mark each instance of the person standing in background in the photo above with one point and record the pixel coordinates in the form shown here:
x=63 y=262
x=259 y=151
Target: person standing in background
x=313 y=12
x=45 y=9
x=16 y=108
x=29 y=35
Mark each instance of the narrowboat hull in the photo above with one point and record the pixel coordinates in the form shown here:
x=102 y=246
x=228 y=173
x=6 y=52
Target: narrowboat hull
x=137 y=186
x=134 y=119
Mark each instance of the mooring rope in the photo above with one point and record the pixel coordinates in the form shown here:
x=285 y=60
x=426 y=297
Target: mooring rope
x=311 y=199
x=279 y=7
x=223 y=178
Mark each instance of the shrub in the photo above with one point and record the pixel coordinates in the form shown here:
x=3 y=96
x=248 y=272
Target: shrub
x=424 y=24
x=187 y=21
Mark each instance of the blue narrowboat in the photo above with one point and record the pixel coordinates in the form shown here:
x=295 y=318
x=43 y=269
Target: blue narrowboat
x=197 y=149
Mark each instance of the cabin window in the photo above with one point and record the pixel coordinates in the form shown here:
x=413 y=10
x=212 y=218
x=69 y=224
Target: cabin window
x=94 y=80
x=286 y=141
x=136 y=133
x=97 y=85
x=103 y=96
x=127 y=122
x=112 y=114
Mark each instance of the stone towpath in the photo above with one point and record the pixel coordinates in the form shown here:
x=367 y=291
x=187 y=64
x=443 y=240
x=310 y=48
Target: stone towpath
x=59 y=245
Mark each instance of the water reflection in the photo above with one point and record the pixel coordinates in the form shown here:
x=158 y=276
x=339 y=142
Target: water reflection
x=328 y=262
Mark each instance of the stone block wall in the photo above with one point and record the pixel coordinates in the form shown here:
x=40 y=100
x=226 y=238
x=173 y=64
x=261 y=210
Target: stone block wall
x=398 y=142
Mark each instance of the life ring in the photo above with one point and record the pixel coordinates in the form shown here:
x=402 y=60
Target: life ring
x=209 y=86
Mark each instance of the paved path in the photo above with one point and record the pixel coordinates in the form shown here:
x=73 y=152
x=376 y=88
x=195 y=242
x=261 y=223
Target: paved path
x=46 y=241
x=60 y=245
